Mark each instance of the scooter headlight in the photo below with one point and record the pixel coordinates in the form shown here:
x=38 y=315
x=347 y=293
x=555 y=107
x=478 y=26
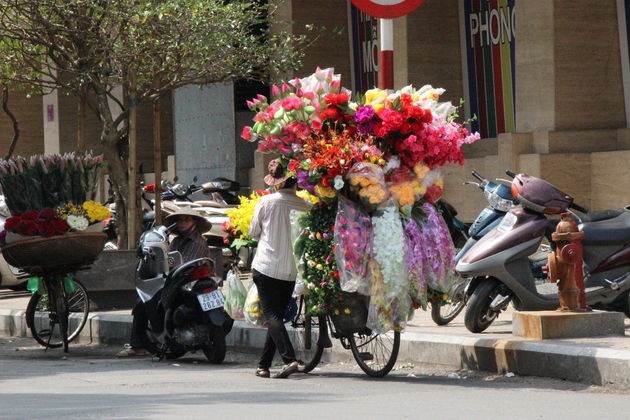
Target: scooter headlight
x=497 y=202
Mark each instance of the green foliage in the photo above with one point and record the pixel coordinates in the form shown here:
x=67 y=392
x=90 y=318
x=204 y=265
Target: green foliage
x=97 y=43
x=314 y=247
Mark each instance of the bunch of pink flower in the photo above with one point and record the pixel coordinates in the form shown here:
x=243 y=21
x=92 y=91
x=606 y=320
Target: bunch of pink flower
x=293 y=115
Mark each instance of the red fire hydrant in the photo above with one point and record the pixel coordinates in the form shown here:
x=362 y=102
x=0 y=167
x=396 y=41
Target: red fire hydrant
x=565 y=265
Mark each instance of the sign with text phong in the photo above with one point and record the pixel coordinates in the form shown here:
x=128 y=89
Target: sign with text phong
x=387 y=9
x=489 y=64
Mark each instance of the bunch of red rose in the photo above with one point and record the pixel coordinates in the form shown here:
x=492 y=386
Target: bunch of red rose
x=37 y=223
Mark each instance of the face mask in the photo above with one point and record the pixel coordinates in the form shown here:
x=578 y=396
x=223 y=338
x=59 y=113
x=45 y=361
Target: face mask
x=187 y=231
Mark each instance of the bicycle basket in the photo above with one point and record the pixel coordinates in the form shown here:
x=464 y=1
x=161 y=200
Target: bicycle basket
x=355 y=321
x=71 y=249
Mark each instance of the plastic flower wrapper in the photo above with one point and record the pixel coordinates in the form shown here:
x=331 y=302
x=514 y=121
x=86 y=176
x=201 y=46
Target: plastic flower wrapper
x=252 y=309
x=388 y=247
x=380 y=309
x=386 y=310
x=437 y=250
x=367 y=182
x=353 y=236
x=405 y=187
x=414 y=260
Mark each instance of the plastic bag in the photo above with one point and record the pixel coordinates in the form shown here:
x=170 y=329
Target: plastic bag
x=235 y=296
x=353 y=236
x=252 y=310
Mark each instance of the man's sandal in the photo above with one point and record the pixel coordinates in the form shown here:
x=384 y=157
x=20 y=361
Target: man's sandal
x=287 y=370
x=262 y=373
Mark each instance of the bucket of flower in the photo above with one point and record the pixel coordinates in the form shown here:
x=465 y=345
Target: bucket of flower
x=48 y=230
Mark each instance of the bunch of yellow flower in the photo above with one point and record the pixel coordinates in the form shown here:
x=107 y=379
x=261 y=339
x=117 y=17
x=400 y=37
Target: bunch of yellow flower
x=241 y=216
x=370 y=188
x=70 y=209
x=408 y=192
x=95 y=211
x=305 y=195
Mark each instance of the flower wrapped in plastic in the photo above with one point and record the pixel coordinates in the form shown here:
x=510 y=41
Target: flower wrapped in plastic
x=436 y=250
x=415 y=263
x=353 y=238
x=387 y=309
x=388 y=247
x=367 y=182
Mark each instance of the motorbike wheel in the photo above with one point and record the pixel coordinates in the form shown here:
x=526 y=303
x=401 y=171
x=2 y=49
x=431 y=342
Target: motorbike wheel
x=216 y=351
x=479 y=316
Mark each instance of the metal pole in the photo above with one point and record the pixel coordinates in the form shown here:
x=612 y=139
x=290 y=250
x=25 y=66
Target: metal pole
x=386 y=33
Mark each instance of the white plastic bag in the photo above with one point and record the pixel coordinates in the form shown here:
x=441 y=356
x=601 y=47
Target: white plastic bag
x=235 y=296
x=253 y=310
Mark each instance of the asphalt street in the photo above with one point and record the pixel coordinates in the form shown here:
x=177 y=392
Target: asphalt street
x=90 y=383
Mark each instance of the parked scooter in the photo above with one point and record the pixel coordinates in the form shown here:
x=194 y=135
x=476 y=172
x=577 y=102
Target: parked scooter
x=183 y=307
x=498 y=263
x=500 y=201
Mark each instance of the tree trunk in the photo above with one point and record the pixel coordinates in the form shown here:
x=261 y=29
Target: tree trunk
x=16 y=128
x=110 y=137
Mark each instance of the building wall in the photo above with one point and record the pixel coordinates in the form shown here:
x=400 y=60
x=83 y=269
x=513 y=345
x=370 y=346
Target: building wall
x=589 y=91
x=28 y=112
x=330 y=49
x=433 y=48
x=68 y=129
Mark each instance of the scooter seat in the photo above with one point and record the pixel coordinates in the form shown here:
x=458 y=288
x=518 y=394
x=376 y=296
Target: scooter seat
x=595 y=216
x=607 y=232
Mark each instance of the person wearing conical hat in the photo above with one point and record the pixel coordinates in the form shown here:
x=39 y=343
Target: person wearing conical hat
x=191 y=245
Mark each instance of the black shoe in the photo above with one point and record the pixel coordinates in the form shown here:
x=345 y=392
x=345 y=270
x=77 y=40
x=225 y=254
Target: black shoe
x=262 y=373
x=287 y=370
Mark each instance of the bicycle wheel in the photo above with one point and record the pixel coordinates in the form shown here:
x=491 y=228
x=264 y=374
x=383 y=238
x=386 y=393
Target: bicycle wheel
x=375 y=353
x=44 y=322
x=443 y=314
x=307 y=332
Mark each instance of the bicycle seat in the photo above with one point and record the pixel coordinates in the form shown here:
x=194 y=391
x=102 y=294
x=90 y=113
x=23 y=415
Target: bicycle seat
x=609 y=231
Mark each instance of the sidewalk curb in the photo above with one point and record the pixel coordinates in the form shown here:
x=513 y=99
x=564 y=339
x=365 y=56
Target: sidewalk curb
x=569 y=361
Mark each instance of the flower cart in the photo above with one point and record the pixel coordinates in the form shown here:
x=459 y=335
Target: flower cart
x=374 y=248
x=51 y=237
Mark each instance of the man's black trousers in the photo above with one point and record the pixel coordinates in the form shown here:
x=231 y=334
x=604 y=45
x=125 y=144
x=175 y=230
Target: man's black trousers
x=274 y=297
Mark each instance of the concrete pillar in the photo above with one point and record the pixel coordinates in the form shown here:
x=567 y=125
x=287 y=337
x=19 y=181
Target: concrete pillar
x=535 y=70
x=50 y=108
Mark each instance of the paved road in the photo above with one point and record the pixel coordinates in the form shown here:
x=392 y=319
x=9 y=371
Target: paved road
x=89 y=383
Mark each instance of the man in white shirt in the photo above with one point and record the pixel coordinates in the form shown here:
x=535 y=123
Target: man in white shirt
x=274 y=270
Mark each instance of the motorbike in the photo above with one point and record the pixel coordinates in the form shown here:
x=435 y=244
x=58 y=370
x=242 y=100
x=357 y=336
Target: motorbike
x=12 y=277
x=499 y=268
x=181 y=309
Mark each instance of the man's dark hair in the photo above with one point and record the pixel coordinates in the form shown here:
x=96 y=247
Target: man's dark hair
x=290 y=183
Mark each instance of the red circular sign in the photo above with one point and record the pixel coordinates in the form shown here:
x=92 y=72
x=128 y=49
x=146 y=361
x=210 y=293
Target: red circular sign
x=387 y=9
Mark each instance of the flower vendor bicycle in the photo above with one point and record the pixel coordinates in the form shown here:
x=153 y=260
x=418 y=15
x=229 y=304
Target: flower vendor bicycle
x=57 y=311
x=374 y=353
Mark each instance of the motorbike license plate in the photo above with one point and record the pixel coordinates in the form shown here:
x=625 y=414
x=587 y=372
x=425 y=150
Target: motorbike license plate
x=212 y=300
